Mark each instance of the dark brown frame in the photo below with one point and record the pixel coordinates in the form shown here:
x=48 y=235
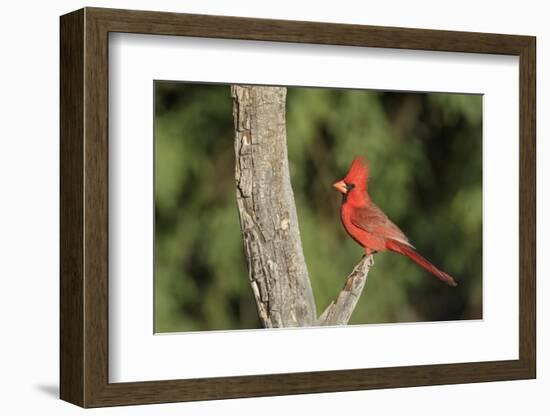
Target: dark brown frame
x=84 y=209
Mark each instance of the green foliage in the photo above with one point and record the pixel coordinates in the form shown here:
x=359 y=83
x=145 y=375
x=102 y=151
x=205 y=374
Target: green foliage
x=425 y=153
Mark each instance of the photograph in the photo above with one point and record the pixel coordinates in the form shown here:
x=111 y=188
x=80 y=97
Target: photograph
x=381 y=195
x=268 y=205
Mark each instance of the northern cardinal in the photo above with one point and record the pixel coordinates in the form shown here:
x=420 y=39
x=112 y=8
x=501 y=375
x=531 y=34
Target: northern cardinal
x=369 y=226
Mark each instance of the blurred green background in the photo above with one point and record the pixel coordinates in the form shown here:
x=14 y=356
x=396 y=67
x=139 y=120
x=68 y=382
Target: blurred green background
x=425 y=156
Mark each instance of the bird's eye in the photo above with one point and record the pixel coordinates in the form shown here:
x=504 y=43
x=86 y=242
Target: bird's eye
x=349 y=186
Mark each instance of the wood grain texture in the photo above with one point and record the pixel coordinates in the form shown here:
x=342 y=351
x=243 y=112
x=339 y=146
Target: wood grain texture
x=527 y=209
x=96 y=214
x=71 y=186
x=340 y=310
x=226 y=27
x=269 y=223
x=303 y=383
x=84 y=207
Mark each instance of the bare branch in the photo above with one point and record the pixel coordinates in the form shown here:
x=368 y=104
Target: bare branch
x=339 y=312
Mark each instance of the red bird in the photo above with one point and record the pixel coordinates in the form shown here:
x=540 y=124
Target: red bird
x=369 y=226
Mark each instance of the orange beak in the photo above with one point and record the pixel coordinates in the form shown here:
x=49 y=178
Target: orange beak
x=341 y=187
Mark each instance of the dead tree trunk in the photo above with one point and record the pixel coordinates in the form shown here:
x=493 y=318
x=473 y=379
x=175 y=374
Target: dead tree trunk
x=269 y=223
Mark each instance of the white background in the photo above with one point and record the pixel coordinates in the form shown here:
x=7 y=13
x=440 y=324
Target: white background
x=135 y=354
x=29 y=221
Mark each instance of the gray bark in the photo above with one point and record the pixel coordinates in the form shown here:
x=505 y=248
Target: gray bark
x=269 y=224
x=339 y=312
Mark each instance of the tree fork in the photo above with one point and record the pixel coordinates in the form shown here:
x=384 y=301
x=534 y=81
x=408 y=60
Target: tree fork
x=269 y=224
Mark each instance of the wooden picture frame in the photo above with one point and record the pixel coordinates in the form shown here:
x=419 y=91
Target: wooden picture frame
x=84 y=207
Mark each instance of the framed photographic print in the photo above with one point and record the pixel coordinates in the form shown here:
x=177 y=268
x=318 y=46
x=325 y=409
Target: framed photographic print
x=256 y=207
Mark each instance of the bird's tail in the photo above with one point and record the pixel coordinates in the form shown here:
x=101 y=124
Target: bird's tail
x=421 y=261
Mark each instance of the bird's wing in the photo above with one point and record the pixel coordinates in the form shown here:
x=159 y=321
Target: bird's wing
x=373 y=220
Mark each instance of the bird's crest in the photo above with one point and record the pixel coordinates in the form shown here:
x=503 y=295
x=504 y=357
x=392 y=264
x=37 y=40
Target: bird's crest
x=358 y=173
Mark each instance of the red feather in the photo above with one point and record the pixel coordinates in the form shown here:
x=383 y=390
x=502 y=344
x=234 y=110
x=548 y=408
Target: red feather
x=370 y=227
x=421 y=261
